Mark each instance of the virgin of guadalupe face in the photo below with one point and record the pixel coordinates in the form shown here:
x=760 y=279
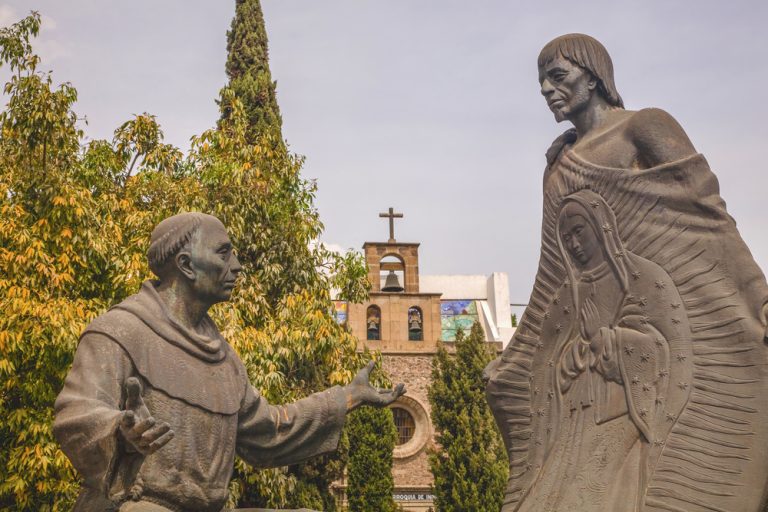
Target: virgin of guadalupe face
x=579 y=237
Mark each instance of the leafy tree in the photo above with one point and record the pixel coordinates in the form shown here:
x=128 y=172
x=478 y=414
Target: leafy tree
x=74 y=230
x=470 y=467
x=372 y=436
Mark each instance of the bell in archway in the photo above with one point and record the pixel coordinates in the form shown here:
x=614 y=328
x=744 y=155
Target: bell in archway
x=392 y=284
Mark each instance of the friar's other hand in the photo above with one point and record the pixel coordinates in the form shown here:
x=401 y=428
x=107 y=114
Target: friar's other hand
x=360 y=392
x=140 y=431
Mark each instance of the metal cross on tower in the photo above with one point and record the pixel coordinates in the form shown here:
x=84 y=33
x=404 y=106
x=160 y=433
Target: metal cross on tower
x=392 y=216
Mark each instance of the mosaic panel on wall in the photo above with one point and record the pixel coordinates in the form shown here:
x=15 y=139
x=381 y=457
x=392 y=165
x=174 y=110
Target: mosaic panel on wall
x=340 y=310
x=455 y=315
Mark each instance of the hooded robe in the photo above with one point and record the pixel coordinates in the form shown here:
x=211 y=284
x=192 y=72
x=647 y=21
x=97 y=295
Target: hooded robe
x=196 y=383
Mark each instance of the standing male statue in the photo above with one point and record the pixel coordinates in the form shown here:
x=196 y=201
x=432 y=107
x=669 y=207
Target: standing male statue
x=157 y=404
x=636 y=379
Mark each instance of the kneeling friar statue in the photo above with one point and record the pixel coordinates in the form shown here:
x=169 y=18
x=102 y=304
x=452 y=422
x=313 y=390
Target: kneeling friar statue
x=157 y=403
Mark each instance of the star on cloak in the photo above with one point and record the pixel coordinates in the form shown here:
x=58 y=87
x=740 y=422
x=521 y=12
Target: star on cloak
x=643 y=301
x=671 y=417
x=550 y=363
x=635 y=380
x=681 y=357
x=646 y=387
x=595 y=204
x=643 y=412
x=607 y=228
x=675 y=305
x=663 y=373
x=567 y=310
x=645 y=357
x=660 y=285
x=629 y=350
x=636 y=275
x=558 y=327
x=659 y=442
x=659 y=400
x=675 y=320
x=682 y=385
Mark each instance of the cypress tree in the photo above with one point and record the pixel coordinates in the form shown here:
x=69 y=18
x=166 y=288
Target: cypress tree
x=372 y=436
x=250 y=80
x=280 y=249
x=470 y=467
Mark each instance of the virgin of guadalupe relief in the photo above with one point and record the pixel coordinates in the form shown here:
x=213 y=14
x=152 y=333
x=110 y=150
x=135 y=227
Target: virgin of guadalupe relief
x=633 y=383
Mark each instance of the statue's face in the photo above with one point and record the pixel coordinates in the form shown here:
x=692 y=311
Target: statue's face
x=579 y=239
x=566 y=87
x=213 y=262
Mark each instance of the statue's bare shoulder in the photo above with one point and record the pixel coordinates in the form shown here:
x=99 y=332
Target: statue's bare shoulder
x=657 y=137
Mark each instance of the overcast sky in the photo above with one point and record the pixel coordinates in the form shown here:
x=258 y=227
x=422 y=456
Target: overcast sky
x=429 y=106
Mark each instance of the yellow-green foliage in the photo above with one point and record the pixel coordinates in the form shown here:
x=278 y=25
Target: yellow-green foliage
x=74 y=228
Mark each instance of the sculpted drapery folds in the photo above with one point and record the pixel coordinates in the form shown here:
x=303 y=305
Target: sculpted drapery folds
x=157 y=403
x=632 y=383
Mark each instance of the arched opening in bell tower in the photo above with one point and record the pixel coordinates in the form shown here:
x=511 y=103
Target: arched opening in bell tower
x=392 y=273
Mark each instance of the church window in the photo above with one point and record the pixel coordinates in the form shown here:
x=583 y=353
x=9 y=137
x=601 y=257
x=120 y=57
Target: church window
x=415 y=324
x=373 y=322
x=406 y=425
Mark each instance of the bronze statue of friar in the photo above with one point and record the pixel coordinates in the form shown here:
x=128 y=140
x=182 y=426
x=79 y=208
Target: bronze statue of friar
x=157 y=404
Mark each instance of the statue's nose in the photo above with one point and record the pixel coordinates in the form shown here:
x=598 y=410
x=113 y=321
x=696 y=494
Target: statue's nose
x=546 y=88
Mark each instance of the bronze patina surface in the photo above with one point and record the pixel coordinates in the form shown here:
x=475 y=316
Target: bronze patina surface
x=637 y=377
x=157 y=404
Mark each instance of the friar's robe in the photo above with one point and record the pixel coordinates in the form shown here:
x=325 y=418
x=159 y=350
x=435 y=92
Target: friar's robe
x=197 y=384
x=715 y=454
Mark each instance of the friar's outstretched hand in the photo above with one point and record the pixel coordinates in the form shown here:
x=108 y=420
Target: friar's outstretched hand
x=360 y=392
x=138 y=428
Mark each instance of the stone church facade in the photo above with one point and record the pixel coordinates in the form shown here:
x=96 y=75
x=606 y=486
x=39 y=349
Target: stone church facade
x=405 y=318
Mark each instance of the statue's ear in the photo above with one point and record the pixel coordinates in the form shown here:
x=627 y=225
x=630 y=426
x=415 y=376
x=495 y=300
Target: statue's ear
x=592 y=83
x=184 y=264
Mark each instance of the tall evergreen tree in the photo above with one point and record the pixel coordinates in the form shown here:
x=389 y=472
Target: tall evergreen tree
x=248 y=71
x=284 y=265
x=372 y=436
x=470 y=466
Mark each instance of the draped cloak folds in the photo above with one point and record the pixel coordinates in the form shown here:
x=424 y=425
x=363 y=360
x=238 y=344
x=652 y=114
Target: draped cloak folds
x=705 y=448
x=197 y=384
